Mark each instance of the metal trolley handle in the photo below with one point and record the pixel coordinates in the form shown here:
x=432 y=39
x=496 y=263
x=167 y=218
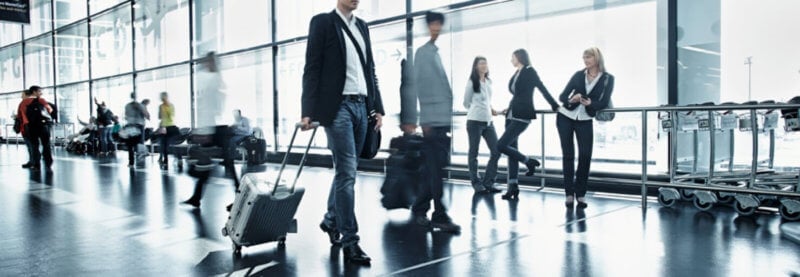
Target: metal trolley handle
x=297 y=126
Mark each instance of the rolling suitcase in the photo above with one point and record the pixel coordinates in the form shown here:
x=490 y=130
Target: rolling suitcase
x=264 y=211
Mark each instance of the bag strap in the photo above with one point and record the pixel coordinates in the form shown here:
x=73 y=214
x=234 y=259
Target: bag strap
x=361 y=57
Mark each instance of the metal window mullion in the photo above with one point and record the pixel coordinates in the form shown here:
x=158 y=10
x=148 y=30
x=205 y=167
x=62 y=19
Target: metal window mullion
x=133 y=47
x=192 y=112
x=89 y=55
x=53 y=49
x=275 y=96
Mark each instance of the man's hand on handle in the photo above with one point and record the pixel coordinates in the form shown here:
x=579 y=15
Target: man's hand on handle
x=305 y=124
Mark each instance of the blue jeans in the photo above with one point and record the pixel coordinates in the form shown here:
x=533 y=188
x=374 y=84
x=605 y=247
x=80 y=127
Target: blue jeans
x=575 y=182
x=507 y=144
x=476 y=130
x=105 y=139
x=345 y=140
x=436 y=150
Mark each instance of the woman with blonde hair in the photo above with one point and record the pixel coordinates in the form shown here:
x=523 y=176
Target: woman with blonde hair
x=588 y=91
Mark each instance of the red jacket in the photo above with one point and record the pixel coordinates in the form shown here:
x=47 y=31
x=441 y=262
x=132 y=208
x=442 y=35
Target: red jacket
x=23 y=106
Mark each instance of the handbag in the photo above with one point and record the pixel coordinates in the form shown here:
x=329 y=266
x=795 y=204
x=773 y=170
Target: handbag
x=605 y=116
x=372 y=142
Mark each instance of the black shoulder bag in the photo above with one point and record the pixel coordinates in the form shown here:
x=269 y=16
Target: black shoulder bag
x=372 y=142
x=601 y=115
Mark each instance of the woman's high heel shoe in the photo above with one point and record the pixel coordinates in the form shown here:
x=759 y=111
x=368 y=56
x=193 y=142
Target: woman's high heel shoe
x=512 y=193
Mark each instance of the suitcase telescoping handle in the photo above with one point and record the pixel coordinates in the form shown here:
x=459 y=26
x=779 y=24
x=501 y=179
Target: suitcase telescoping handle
x=314 y=126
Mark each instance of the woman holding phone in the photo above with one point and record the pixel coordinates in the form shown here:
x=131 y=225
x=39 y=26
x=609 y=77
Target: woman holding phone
x=587 y=92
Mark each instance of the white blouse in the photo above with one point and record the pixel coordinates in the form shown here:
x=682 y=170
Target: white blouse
x=579 y=113
x=479 y=105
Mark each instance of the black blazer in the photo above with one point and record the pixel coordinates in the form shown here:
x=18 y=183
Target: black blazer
x=600 y=94
x=326 y=66
x=522 y=102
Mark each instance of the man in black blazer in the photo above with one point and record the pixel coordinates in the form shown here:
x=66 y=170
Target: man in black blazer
x=340 y=91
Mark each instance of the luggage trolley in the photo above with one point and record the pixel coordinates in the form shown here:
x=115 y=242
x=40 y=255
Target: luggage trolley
x=685 y=168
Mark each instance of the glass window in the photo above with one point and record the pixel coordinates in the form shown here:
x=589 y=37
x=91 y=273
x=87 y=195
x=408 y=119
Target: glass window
x=162 y=35
x=68 y=11
x=223 y=26
x=74 y=103
x=96 y=6
x=555 y=64
x=11 y=69
x=72 y=54
x=291 y=60
x=175 y=81
x=723 y=58
x=111 y=43
x=248 y=83
x=8 y=110
x=10 y=33
x=388 y=49
x=41 y=18
x=39 y=62
x=115 y=92
x=293 y=17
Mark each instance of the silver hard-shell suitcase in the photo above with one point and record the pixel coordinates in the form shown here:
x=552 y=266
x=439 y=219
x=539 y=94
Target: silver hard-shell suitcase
x=263 y=210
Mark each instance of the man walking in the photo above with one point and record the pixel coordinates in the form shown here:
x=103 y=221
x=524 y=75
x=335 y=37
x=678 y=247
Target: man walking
x=340 y=90
x=435 y=96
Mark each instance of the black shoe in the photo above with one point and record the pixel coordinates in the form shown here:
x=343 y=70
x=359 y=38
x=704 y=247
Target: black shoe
x=333 y=235
x=532 y=164
x=229 y=207
x=512 y=193
x=192 y=202
x=581 y=205
x=27 y=165
x=35 y=168
x=445 y=224
x=49 y=169
x=355 y=255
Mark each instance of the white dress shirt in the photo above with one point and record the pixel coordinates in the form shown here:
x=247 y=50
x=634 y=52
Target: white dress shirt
x=355 y=83
x=579 y=113
x=479 y=105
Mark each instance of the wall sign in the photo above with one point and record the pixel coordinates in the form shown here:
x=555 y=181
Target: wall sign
x=15 y=11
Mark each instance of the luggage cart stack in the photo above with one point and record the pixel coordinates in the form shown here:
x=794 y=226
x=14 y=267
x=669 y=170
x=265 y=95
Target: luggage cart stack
x=721 y=172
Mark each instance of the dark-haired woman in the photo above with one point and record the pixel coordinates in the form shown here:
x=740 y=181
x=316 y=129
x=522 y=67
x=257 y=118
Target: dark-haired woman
x=478 y=102
x=519 y=114
x=587 y=92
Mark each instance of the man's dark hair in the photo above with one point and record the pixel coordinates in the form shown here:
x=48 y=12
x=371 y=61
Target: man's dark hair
x=32 y=89
x=431 y=17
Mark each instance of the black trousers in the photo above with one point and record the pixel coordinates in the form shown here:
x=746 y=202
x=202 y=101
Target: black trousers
x=36 y=137
x=221 y=138
x=435 y=149
x=575 y=181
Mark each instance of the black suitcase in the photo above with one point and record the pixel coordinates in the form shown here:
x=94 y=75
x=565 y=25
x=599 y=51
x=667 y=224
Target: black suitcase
x=256 y=150
x=399 y=189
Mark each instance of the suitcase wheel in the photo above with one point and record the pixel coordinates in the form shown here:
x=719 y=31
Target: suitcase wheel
x=282 y=242
x=237 y=250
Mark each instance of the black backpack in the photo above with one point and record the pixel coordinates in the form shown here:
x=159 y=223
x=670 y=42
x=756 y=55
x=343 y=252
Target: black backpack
x=37 y=114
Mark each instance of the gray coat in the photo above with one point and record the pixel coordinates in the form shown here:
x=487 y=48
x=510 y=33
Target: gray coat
x=431 y=88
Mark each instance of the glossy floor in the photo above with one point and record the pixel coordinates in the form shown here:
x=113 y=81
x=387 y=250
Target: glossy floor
x=96 y=217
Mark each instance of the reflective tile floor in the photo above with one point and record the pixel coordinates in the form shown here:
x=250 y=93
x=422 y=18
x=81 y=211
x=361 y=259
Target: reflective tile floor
x=95 y=217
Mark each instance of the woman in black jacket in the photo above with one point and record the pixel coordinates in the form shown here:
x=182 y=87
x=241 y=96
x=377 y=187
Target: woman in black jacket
x=588 y=91
x=519 y=114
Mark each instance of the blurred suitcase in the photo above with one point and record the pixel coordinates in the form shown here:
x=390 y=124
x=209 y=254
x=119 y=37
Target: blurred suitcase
x=264 y=211
x=256 y=150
